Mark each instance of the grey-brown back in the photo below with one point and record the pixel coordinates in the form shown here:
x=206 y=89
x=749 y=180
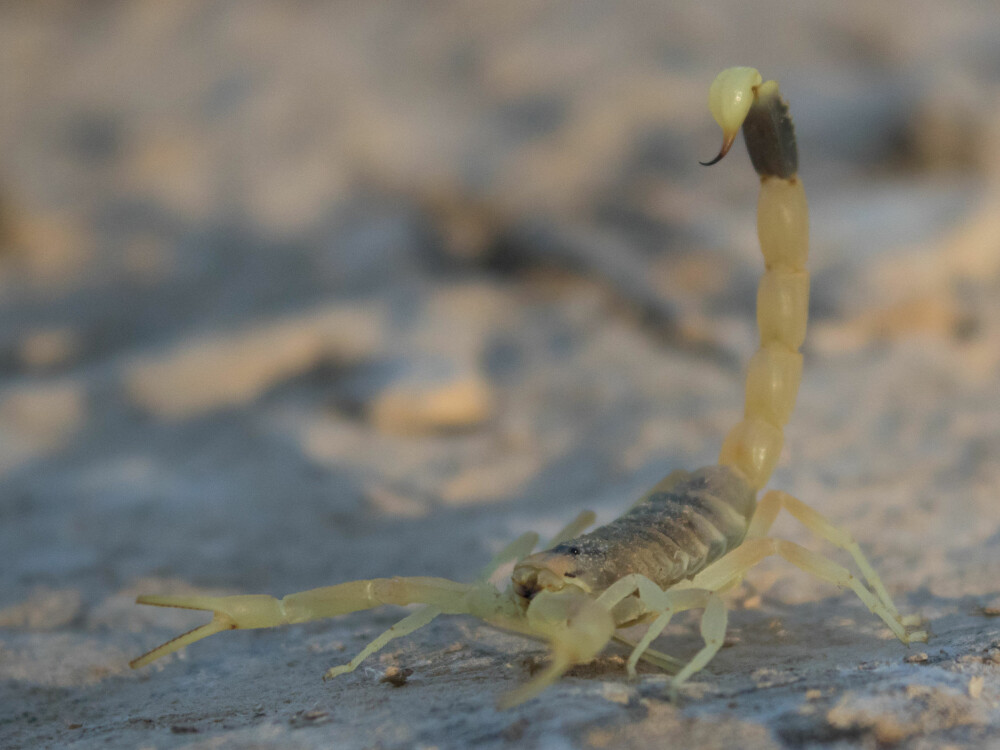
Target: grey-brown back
x=670 y=535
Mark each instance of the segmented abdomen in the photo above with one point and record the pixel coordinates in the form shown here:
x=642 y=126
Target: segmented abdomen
x=670 y=535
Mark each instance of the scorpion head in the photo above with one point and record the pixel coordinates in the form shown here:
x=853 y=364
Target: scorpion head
x=574 y=564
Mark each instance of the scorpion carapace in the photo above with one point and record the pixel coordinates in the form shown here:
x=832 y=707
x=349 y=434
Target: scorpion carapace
x=692 y=536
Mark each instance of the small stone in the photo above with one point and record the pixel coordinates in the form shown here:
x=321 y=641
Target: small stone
x=616 y=693
x=391 y=503
x=48 y=348
x=515 y=731
x=37 y=418
x=45 y=609
x=424 y=404
x=395 y=676
x=976 y=686
x=918 y=658
x=226 y=369
x=312 y=716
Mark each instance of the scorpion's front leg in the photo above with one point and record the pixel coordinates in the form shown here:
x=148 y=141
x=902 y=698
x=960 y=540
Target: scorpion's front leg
x=261 y=611
x=665 y=604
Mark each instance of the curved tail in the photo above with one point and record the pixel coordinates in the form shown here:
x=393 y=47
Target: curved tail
x=740 y=99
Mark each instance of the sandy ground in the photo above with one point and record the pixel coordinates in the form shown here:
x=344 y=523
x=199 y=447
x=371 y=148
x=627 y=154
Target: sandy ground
x=293 y=294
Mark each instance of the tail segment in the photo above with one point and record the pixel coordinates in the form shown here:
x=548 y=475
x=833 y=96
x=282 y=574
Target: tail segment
x=739 y=99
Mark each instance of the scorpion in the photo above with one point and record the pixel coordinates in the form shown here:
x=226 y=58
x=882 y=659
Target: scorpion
x=693 y=536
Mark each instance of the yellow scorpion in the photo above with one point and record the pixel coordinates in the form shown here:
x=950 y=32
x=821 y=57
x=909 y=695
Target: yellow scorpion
x=692 y=536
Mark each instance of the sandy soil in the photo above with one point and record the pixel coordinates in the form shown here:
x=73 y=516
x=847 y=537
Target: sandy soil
x=293 y=294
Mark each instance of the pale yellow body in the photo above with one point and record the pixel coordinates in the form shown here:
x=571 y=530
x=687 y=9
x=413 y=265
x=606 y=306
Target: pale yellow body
x=548 y=598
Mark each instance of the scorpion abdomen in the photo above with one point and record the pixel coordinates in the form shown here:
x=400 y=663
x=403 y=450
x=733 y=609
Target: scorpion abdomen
x=670 y=535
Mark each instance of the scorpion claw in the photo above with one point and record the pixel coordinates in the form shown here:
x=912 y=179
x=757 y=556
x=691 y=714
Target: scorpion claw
x=220 y=621
x=228 y=613
x=205 y=603
x=174 y=644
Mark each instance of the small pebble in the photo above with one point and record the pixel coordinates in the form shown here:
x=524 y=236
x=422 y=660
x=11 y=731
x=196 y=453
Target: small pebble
x=396 y=677
x=425 y=404
x=976 y=686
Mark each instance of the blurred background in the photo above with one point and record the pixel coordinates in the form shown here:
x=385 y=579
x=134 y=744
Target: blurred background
x=295 y=293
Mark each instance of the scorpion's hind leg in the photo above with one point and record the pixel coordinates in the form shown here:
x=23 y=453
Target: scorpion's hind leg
x=774 y=501
x=733 y=566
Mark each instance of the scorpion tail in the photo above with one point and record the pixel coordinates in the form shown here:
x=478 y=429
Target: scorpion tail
x=738 y=99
